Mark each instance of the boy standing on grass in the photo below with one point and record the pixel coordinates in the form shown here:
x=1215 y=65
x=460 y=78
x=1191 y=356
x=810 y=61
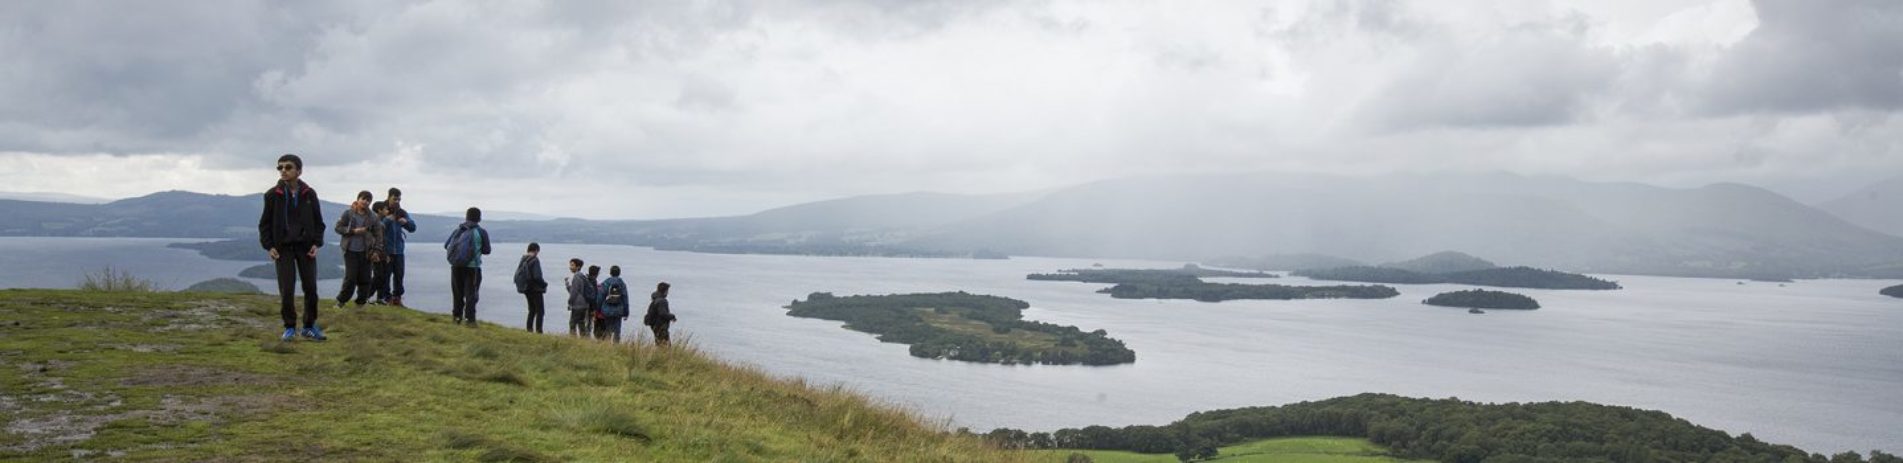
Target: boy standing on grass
x=578 y=299
x=529 y=282
x=614 y=305
x=360 y=230
x=659 y=315
x=394 y=236
x=465 y=248
x=290 y=229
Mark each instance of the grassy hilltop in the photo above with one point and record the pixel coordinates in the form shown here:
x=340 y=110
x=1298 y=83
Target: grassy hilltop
x=200 y=377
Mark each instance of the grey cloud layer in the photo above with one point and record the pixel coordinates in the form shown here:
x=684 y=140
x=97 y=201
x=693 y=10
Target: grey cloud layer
x=937 y=95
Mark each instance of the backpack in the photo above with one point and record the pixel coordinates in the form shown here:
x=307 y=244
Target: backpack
x=614 y=295
x=463 y=251
x=522 y=276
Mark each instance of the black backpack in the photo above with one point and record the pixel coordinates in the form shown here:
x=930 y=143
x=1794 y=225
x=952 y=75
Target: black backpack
x=614 y=295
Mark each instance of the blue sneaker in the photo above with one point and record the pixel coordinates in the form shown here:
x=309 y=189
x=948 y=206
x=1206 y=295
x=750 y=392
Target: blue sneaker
x=289 y=333
x=314 y=334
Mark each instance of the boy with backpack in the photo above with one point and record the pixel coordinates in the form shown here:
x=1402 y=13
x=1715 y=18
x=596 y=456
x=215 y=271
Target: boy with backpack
x=614 y=304
x=580 y=292
x=465 y=249
x=529 y=282
x=659 y=315
x=362 y=234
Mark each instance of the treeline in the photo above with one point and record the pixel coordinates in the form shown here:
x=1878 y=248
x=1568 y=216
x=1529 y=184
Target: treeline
x=1218 y=292
x=900 y=318
x=1506 y=277
x=1448 y=430
x=1190 y=273
x=1483 y=299
x=1893 y=291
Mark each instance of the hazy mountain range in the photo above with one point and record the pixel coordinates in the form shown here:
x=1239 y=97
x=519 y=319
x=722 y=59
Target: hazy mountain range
x=1877 y=207
x=1724 y=230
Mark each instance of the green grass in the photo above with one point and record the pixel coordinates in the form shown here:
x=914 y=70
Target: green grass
x=1025 y=339
x=200 y=377
x=1288 y=449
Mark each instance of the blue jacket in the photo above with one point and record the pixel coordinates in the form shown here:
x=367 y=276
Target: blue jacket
x=394 y=235
x=619 y=309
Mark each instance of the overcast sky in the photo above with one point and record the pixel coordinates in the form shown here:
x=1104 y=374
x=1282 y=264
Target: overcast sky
x=618 y=109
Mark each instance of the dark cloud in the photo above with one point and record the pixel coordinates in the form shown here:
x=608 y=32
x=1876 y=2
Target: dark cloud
x=1810 y=56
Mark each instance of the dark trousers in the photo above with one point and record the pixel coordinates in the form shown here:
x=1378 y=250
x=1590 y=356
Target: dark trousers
x=609 y=327
x=357 y=277
x=380 y=278
x=660 y=333
x=295 y=264
x=396 y=276
x=465 y=286
x=535 y=312
x=578 y=322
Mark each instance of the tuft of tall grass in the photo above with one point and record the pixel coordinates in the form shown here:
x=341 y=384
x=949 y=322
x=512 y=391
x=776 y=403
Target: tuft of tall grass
x=114 y=280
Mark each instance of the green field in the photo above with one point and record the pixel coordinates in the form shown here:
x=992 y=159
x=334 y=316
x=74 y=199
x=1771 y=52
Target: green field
x=1288 y=449
x=201 y=377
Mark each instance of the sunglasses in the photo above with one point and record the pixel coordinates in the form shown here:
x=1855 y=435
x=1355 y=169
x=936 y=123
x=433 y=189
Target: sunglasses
x=285 y=167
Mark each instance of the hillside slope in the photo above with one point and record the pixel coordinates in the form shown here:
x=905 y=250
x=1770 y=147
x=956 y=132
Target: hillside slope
x=197 y=377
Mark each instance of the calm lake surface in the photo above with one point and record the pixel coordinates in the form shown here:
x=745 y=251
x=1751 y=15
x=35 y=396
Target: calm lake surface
x=1816 y=363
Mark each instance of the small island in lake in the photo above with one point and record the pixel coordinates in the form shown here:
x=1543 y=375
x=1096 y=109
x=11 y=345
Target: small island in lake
x=1893 y=291
x=1483 y=299
x=965 y=327
x=1187 y=283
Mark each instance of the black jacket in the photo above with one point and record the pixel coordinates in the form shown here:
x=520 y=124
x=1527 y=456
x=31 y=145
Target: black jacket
x=283 y=224
x=658 y=312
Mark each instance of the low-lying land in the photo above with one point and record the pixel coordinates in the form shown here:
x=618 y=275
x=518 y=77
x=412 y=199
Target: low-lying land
x=330 y=261
x=1187 y=283
x=1218 y=292
x=1483 y=299
x=1189 y=273
x=1450 y=430
x=1505 y=277
x=1893 y=291
x=200 y=377
x=966 y=327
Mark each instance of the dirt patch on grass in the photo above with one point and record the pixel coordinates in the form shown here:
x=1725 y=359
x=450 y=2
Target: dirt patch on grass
x=200 y=316
x=193 y=376
x=146 y=348
x=66 y=427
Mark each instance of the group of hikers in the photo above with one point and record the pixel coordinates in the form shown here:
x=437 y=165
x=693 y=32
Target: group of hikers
x=373 y=234
x=596 y=307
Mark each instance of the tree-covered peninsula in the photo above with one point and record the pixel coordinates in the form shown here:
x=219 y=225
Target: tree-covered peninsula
x=1483 y=299
x=966 y=327
x=1450 y=430
x=1893 y=291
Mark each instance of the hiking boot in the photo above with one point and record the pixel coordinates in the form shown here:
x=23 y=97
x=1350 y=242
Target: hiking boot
x=340 y=304
x=397 y=301
x=314 y=334
x=289 y=334
x=380 y=302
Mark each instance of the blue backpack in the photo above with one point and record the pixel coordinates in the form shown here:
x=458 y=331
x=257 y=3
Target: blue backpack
x=462 y=250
